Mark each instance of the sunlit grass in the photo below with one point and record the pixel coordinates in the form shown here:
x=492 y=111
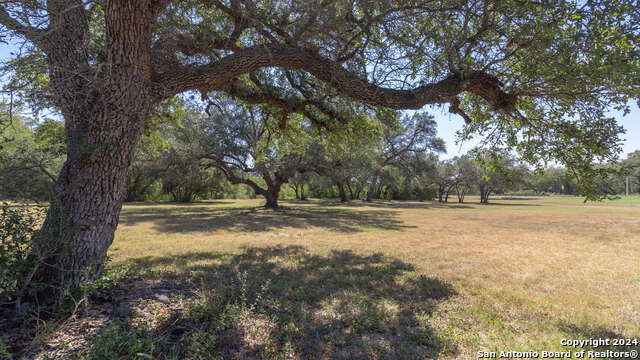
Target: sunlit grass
x=384 y=280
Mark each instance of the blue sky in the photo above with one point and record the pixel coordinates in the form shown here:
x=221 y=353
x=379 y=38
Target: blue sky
x=448 y=123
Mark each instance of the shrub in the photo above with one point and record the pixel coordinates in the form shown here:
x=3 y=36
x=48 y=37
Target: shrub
x=18 y=225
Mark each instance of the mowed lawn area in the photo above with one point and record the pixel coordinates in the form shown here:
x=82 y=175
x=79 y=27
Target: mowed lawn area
x=383 y=280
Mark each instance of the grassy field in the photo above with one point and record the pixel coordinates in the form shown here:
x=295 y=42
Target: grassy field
x=414 y=280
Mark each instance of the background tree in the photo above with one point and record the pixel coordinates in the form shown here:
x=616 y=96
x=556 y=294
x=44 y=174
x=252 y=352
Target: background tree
x=30 y=159
x=632 y=165
x=552 y=180
x=419 y=175
x=465 y=175
x=157 y=152
x=338 y=170
x=409 y=134
x=298 y=183
x=188 y=181
x=145 y=172
x=346 y=156
x=444 y=177
x=495 y=172
x=245 y=142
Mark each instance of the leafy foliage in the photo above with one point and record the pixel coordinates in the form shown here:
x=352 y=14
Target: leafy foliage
x=18 y=226
x=30 y=159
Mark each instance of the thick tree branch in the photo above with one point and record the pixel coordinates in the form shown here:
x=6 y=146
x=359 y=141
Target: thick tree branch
x=33 y=34
x=231 y=176
x=454 y=108
x=216 y=75
x=35 y=168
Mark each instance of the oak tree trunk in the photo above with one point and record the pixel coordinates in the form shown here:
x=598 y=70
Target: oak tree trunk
x=272 y=193
x=372 y=188
x=441 y=190
x=295 y=189
x=272 y=199
x=484 y=194
x=343 y=193
x=83 y=215
x=461 y=191
x=105 y=111
x=302 y=194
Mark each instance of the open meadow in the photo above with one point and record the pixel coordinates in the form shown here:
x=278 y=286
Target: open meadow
x=382 y=280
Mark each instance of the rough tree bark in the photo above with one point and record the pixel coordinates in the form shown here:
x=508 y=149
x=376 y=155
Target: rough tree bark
x=274 y=184
x=272 y=199
x=104 y=116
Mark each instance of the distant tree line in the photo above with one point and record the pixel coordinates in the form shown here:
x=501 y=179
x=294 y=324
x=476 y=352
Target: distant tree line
x=244 y=151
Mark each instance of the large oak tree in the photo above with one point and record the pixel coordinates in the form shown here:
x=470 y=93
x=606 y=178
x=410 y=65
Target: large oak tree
x=246 y=143
x=534 y=75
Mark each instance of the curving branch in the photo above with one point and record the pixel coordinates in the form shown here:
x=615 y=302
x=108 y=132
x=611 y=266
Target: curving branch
x=454 y=108
x=216 y=75
x=230 y=175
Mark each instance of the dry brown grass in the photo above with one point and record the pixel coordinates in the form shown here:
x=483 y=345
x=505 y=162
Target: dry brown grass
x=385 y=280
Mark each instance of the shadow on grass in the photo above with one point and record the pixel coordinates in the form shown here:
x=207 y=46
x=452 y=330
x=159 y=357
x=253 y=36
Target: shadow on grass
x=284 y=302
x=383 y=204
x=196 y=203
x=499 y=204
x=188 y=219
x=620 y=343
x=411 y=205
x=518 y=198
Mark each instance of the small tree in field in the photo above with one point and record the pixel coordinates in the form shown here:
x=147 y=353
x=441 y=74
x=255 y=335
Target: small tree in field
x=348 y=157
x=399 y=139
x=444 y=177
x=245 y=142
x=465 y=175
x=494 y=172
